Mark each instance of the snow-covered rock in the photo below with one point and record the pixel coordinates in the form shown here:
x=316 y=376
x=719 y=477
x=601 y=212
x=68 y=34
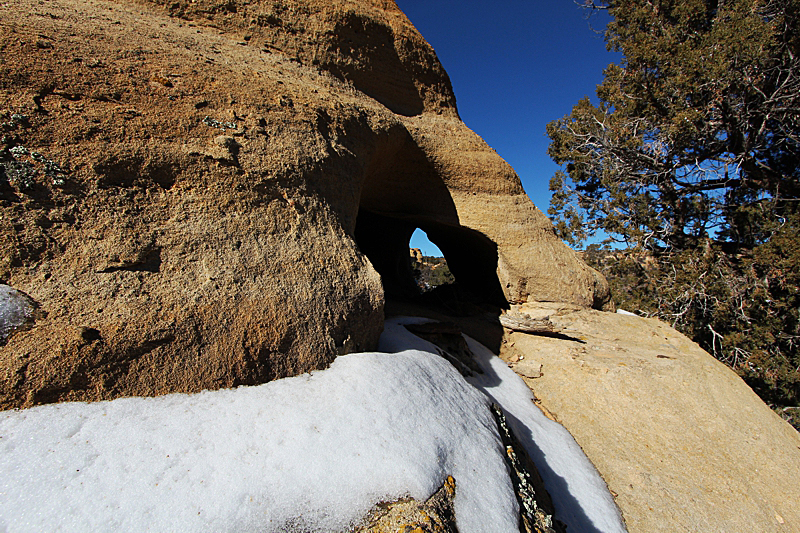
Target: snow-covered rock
x=308 y=453
x=313 y=452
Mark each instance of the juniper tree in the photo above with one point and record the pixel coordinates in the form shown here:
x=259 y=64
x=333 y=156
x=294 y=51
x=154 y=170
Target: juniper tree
x=697 y=130
x=690 y=158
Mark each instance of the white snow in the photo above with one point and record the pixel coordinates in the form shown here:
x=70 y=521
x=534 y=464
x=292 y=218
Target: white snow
x=15 y=309
x=309 y=453
x=580 y=495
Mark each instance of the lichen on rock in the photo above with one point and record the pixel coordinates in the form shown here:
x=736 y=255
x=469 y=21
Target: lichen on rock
x=434 y=515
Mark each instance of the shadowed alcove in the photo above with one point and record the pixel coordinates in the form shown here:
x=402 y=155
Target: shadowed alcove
x=472 y=257
x=403 y=192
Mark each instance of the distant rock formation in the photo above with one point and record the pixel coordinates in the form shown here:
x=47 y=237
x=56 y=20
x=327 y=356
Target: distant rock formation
x=190 y=192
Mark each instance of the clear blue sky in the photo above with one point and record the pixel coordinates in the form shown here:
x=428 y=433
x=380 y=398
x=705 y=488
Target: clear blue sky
x=515 y=65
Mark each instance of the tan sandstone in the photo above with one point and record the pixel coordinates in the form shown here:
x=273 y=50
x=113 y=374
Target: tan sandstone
x=197 y=194
x=684 y=443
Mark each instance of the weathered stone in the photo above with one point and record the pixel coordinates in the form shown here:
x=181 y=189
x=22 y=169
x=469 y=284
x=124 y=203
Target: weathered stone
x=205 y=202
x=526 y=324
x=528 y=368
x=435 y=515
x=684 y=444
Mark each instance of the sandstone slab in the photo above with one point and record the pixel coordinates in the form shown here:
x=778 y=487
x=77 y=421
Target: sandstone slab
x=682 y=441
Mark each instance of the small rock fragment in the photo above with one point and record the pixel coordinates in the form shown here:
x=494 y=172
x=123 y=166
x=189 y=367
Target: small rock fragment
x=526 y=324
x=529 y=369
x=16 y=311
x=208 y=121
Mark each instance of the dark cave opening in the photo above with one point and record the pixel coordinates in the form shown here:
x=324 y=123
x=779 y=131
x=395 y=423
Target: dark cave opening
x=471 y=257
x=402 y=191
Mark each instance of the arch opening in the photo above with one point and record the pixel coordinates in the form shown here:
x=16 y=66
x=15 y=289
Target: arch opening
x=402 y=191
x=470 y=256
x=428 y=262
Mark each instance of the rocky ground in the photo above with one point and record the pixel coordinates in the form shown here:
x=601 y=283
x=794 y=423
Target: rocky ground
x=200 y=195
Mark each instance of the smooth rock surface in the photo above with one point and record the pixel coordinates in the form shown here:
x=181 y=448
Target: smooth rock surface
x=684 y=443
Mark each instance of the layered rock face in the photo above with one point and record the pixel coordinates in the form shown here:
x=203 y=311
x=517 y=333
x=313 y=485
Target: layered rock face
x=188 y=192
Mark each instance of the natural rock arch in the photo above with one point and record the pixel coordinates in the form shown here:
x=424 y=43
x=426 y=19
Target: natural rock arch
x=193 y=226
x=471 y=256
x=403 y=192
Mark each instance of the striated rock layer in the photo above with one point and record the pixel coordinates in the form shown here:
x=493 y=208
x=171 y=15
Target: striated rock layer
x=189 y=191
x=681 y=440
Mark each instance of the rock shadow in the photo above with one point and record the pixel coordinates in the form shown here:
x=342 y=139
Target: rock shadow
x=564 y=500
x=402 y=191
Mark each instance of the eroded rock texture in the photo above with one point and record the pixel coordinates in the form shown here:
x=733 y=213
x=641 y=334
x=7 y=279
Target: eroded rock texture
x=190 y=191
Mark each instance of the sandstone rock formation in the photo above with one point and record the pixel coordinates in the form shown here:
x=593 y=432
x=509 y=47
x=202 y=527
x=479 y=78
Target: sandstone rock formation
x=207 y=193
x=684 y=443
x=188 y=190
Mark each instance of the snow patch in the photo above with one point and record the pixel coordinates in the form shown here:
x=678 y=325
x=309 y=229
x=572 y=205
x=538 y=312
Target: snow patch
x=309 y=453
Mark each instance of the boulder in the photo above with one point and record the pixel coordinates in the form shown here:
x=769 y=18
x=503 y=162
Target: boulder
x=683 y=443
x=203 y=194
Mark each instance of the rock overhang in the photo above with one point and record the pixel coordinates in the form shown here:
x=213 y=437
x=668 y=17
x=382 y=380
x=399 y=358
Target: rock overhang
x=167 y=241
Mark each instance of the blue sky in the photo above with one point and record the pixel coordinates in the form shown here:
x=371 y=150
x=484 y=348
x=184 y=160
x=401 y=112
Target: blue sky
x=515 y=65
